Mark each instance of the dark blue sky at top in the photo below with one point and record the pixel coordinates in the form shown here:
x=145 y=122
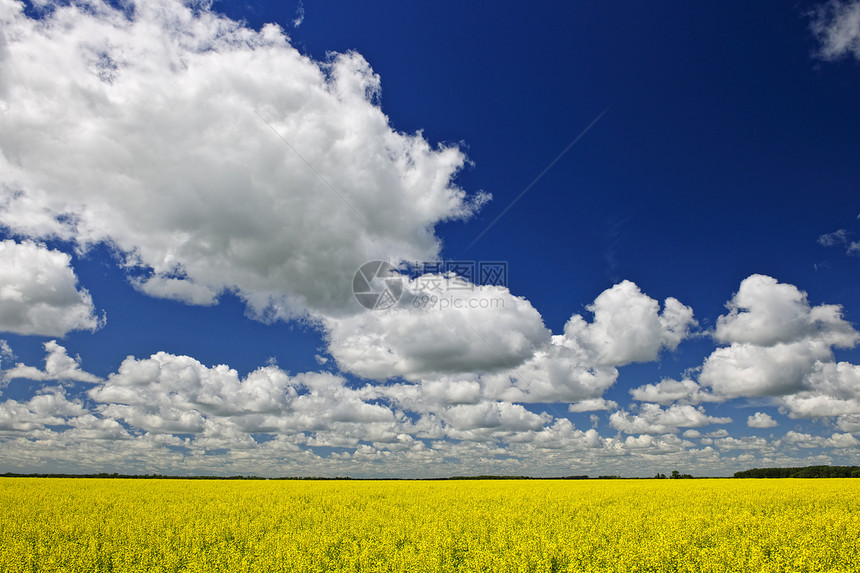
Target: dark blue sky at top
x=727 y=150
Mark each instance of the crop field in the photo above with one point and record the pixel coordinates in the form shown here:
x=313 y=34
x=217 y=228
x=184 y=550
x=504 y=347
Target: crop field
x=492 y=526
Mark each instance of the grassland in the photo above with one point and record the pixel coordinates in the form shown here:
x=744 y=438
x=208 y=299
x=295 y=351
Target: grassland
x=626 y=526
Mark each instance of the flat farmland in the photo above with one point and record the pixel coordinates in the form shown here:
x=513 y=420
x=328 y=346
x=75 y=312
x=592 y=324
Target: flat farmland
x=713 y=525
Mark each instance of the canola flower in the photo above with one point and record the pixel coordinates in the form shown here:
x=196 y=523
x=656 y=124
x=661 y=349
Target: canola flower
x=628 y=526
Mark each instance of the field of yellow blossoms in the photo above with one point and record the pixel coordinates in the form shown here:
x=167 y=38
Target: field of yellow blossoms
x=492 y=526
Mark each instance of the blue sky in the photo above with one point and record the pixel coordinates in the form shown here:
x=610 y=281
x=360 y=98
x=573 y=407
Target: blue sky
x=187 y=191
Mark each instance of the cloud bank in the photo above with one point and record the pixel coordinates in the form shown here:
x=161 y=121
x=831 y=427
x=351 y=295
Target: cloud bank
x=171 y=413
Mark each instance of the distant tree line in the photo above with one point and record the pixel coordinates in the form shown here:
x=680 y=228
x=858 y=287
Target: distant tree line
x=675 y=475
x=805 y=472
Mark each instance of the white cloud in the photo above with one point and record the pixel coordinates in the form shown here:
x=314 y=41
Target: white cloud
x=629 y=327
x=49 y=407
x=177 y=394
x=838 y=237
x=761 y=420
x=496 y=416
x=176 y=289
x=749 y=370
x=592 y=405
x=831 y=389
x=90 y=427
x=5 y=352
x=159 y=147
x=803 y=440
x=558 y=372
x=500 y=339
x=437 y=393
x=39 y=292
x=765 y=312
x=579 y=365
x=744 y=443
x=300 y=15
x=817 y=405
x=836 y=26
x=777 y=338
x=849 y=423
x=474 y=329
x=667 y=391
x=58 y=366
x=652 y=445
x=652 y=419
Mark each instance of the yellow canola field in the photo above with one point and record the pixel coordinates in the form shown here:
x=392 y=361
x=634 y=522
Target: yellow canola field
x=91 y=525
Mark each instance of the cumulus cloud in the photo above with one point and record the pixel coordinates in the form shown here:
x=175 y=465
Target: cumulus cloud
x=492 y=337
x=750 y=370
x=836 y=27
x=592 y=405
x=818 y=404
x=761 y=420
x=668 y=390
x=211 y=156
x=849 y=423
x=479 y=328
x=59 y=366
x=628 y=326
x=559 y=372
x=744 y=443
x=171 y=394
x=766 y=312
x=803 y=440
x=173 y=288
x=39 y=292
x=777 y=340
x=781 y=348
x=51 y=406
x=465 y=419
x=652 y=419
